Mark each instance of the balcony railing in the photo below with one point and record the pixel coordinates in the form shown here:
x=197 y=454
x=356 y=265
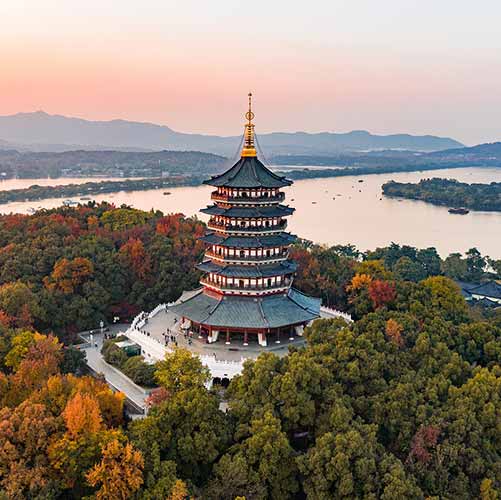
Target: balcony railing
x=248 y=258
x=246 y=229
x=242 y=288
x=247 y=199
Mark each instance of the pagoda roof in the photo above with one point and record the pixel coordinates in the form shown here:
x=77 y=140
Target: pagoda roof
x=272 y=240
x=248 y=172
x=254 y=271
x=271 y=311
x=490 y=289
x=271 y=211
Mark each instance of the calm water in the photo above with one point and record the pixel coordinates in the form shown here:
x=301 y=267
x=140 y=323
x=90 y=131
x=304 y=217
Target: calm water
x=345 y=211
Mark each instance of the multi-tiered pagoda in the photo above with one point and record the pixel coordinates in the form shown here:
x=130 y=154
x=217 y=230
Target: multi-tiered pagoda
x=247 y=292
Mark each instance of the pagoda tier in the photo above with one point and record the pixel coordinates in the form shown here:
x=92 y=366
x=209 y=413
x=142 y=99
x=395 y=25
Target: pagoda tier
x=247 y=274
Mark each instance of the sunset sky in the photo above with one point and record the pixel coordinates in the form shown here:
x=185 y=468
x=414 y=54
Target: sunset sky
x=387 y=66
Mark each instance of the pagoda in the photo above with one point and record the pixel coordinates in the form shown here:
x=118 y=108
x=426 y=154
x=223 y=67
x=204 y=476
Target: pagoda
x=247 y=294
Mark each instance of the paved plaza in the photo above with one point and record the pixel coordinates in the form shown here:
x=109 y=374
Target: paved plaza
x=166 y=324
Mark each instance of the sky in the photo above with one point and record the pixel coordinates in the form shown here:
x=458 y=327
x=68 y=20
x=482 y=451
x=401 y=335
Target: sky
x=387 y=66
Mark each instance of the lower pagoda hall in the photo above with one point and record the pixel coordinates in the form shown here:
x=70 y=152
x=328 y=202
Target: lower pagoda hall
x=247 y=275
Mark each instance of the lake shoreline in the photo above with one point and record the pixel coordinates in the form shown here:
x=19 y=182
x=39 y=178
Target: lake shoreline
x=36 y=193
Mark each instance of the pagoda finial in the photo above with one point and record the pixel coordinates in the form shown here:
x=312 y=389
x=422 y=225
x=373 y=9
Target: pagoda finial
x=249 y=149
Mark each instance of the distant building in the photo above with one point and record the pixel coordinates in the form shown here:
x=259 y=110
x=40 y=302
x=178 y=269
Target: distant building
x=487 y=294
x=247 y=292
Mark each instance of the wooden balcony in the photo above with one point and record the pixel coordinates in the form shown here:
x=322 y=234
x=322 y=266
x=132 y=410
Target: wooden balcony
x=237 y=259
x=251 y=289
x=247 y=199
x=228 y=228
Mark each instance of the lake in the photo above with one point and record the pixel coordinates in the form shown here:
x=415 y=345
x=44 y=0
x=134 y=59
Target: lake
x=337 y=210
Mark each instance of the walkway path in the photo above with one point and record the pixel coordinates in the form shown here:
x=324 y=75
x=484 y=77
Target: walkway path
x=115 y=378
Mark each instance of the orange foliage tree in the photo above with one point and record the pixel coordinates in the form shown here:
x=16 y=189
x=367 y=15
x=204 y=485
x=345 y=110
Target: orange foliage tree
x=134 y=256
x=82 y=415
x=69 y=275
x=119 y=474
x=393 y=331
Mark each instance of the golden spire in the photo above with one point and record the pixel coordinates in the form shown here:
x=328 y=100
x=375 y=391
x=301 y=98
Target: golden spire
x=249 y=149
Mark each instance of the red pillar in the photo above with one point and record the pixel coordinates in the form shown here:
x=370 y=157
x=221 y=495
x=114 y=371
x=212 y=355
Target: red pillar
x=228 y=337
x=246 y=338
x=278 y=336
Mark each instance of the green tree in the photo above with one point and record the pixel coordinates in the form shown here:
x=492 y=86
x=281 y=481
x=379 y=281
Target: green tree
x=181 y=370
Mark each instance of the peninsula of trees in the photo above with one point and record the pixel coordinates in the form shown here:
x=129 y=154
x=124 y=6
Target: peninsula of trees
x=448 y=192
x=402 y=403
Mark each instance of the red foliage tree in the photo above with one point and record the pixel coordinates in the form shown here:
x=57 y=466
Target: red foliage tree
x=381 y=293
x=425 y=439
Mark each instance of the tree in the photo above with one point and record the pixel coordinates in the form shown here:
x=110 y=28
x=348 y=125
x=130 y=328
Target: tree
x=119 y=474
x=82 y=415
x=444 y=296
x=381 y=293
x=187 y=428
x=74 y=360
x=20 y=303
x=179 y=491
x=25 y=435
x=69 y=276
x=455 y=267
x=408 y=270
x=233 y=477
x=181 y=370
x=270 y=458
x=20 y=344
x=134 y=256
x=393 y=331
x=475 y=264
x=348 y=462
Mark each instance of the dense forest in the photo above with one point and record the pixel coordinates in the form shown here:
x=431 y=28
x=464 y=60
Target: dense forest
x=449 y=192
x=405 y=402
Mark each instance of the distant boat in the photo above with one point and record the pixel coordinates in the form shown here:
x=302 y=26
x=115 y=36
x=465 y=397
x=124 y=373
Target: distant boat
x=167 y=193
x=459 y=211
x=85 y=198
x=313 y=202
x=360 y=180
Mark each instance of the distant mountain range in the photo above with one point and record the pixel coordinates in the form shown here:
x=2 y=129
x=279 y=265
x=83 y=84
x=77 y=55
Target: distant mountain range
x=40 y=131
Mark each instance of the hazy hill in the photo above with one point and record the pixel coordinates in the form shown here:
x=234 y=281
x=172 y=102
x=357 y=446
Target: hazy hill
x=487 y=151
x=40 y=131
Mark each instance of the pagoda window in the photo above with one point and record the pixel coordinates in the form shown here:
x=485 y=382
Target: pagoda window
x=242 y=253
x=268 y=281
x=268 y=253
x=241 y=283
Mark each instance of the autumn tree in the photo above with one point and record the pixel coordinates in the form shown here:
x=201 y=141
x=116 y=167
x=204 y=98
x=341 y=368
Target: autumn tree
x=25 y=435
x=393 y=331
x=19 y=302
x=69 y=275
x=381 y=293
x=119 y=473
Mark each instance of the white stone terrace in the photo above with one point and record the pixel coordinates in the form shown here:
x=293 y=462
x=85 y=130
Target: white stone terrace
x=160 y=331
